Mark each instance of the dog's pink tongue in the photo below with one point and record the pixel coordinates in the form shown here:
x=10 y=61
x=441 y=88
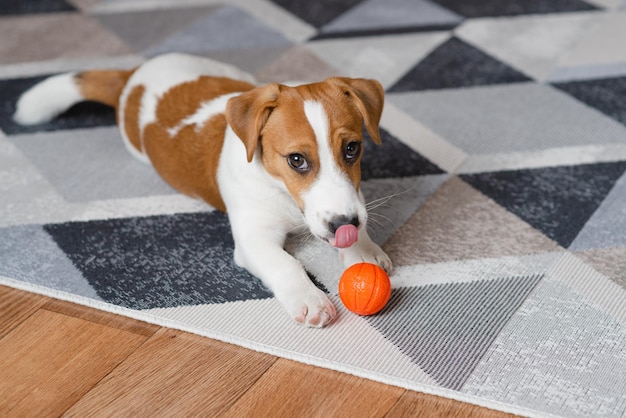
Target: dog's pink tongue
x=345 y=236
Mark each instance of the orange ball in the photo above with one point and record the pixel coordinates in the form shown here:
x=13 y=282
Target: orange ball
x=364 y=288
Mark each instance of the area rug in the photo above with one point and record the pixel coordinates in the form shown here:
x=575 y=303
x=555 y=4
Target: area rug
x=499 y=190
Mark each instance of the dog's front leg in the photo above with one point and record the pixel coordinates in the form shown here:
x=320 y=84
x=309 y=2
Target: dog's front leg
x=260 y=251
x=365 y=251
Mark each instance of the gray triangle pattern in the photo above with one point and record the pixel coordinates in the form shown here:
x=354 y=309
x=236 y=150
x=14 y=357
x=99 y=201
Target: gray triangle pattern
x=486 y=306
x=446 y=329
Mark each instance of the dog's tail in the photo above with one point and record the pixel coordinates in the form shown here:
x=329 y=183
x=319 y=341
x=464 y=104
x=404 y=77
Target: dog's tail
x=56 y=94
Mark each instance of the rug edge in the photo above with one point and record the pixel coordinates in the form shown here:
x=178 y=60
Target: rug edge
x=266 y=349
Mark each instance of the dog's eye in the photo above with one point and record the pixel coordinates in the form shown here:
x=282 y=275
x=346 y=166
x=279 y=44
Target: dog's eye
x=298 y=162
x=353 y=150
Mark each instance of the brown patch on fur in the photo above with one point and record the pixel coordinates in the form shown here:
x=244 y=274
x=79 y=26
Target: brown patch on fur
x=131 y=117
x=184 y=99
x=368 y=96
x=103 y=86
x=188 y=159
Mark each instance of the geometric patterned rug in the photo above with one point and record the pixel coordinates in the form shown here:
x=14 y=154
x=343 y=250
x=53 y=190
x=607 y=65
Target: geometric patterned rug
x=499 y=191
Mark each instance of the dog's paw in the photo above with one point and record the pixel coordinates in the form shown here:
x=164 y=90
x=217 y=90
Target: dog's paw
x=366 y=253
x=383 y=260
x=311 y=308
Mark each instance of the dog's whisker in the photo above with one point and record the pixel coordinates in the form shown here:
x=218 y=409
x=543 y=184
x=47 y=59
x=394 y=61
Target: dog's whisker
x=379 y=225
x=304 y=236
x=375 y=226
x=373 y=204
x=301 y=232
x=376 y=217
x=384 y=223
x=297 y=227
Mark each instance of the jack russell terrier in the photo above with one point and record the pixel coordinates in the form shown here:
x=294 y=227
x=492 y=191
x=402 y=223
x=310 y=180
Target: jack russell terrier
x=277 y=158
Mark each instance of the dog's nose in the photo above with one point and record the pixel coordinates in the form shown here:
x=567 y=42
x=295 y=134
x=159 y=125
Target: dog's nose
x=340 y=220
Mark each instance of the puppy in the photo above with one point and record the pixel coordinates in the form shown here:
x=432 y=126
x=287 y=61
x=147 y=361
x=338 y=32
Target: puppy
x=275 y=158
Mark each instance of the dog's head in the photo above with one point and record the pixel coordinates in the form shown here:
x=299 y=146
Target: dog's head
x=310 y=138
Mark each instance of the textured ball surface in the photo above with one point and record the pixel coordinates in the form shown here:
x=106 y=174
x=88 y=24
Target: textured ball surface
x=364 y=288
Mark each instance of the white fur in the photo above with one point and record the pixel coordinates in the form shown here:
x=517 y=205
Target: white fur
x=47 y=99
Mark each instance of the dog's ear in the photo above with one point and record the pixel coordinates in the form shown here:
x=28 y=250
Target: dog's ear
x=248 y=112
x=368 y=96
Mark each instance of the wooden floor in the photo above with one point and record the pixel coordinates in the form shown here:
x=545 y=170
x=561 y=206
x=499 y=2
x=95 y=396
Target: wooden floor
x=57 y=358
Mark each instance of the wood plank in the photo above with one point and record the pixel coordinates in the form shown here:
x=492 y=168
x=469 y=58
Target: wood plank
x=430 y=406
x=16 y=306
x=51 y=360
x=291 y=389
x=101 y=317
x=176 y=374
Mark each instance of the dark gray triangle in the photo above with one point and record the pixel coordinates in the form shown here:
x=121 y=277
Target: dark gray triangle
x=22 y=7
x=158 y=261
x=393 y=159
x=607 y=95
x=482 y=8
x=318 y=12
x=456 y=64
x=557 y=201
x=446 y=329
